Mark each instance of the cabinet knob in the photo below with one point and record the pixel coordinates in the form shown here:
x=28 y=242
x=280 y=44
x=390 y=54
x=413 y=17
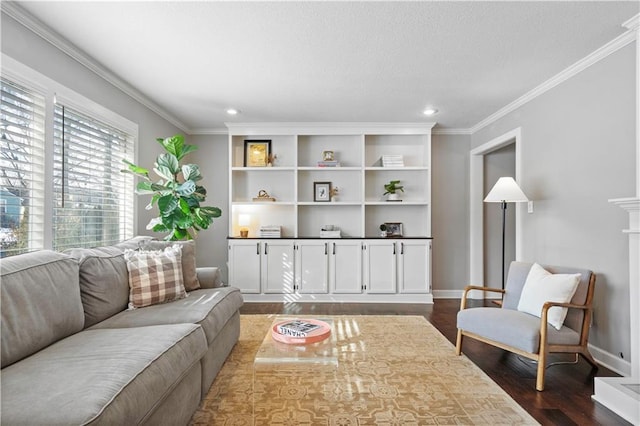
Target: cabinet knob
x=394 y=248
x=266 y=245
x=334 y=249
x=401 y=248
x=258 y=249
x=326 y=248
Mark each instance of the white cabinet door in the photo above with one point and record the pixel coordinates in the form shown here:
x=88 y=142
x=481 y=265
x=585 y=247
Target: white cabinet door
x=244 y=265
x=380 y=266
x=277 y=266
x=345 y=266
x=414 y=266
x=312 y=264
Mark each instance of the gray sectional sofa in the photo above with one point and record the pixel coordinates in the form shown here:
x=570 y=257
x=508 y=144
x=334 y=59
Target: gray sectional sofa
x=73 y=354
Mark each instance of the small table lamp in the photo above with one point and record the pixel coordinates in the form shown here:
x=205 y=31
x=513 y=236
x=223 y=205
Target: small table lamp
x=244 y=220
x=506 y=190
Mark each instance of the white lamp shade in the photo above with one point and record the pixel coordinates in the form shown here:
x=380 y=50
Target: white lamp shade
x=506 y=189
x=244 y=220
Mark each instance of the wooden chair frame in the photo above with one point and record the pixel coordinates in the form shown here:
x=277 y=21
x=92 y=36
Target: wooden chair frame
x=545 y=348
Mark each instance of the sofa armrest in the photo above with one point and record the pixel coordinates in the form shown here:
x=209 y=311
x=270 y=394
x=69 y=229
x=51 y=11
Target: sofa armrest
x=209 y=277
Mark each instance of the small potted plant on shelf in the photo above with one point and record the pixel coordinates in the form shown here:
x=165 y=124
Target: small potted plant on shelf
x=391 y=189
x=383 y=230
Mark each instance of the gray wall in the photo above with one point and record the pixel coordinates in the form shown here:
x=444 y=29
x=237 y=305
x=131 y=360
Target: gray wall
x=450 y=213
x=578 y=151
x=38 y=54
x=499 y=163
x=212 y=157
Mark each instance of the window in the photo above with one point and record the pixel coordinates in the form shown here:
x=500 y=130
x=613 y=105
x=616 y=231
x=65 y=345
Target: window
x=22 y=188
x=60 y=161
x=93 y=200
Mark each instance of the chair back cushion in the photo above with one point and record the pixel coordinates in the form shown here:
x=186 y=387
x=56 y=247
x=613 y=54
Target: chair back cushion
x=517 y=276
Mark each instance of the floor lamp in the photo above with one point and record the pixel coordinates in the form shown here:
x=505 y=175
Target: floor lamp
x=506 y=190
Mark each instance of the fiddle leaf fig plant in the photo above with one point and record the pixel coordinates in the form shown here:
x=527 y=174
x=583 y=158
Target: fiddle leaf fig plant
x=176 y=194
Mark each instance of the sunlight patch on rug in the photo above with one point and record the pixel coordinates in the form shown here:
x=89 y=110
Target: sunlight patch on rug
x=392 y=370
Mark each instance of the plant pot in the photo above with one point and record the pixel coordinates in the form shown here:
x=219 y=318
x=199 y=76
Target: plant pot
x=393 y=197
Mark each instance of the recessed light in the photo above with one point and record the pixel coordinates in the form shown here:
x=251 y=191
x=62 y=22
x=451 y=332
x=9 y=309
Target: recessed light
x=430 y=111
x=232 y=111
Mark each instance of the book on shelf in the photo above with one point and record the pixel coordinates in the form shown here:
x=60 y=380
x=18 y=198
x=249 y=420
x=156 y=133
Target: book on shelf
x=270 y=231
x=392 y=161
x=330 y=234
x=297 y=328
x=328 y=164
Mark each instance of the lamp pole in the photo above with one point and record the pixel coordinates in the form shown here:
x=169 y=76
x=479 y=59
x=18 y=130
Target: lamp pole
x=506 y=190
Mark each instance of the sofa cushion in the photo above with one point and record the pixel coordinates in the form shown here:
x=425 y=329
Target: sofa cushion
x=40 y=303
x=513 y=328
x=154 y=276
x=189 y=274
x=104 y=281
x=111 y=376
x=211 y=308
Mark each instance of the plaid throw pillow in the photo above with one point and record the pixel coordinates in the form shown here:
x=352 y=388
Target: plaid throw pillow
x=154 y=276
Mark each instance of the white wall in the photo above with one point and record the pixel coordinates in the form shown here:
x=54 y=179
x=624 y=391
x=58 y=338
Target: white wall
x=578 y=148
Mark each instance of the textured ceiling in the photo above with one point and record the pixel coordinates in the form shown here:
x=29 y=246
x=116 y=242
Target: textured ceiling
x=334 y=61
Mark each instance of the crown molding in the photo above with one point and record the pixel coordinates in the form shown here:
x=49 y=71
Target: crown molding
x=46 y=33
x=346 y=128
x=613 y=46
x=445 y=131
x=212 y=131
x=633 y=23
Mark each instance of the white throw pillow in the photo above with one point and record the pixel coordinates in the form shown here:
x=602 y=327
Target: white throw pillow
x=542 y=286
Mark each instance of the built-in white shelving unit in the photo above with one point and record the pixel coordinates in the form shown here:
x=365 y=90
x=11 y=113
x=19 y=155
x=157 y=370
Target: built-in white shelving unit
x=360 y=207
x=362 y=266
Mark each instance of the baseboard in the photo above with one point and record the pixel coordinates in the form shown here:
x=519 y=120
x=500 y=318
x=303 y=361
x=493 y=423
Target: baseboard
x=457 y=294
x=611 y=361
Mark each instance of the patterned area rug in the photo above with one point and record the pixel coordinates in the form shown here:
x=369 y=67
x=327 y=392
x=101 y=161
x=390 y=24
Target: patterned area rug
x=393 y=370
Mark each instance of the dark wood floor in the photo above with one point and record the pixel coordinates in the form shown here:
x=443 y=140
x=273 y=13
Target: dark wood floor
x=568 y=388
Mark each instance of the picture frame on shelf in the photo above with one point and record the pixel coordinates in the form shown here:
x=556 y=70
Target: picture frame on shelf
x=394 y=229
x=328 y=156
x=257 y=152
x=322 y=191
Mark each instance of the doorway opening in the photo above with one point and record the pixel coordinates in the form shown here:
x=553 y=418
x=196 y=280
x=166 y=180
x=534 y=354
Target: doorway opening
x=479 y=274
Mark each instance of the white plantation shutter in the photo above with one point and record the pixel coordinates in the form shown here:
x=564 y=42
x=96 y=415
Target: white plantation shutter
x=93 y=199
x=22 y=181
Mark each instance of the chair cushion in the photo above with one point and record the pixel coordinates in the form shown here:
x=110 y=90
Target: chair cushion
x=512 y=328
x=542 y=286
x=211 y=308
x=110 y=376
